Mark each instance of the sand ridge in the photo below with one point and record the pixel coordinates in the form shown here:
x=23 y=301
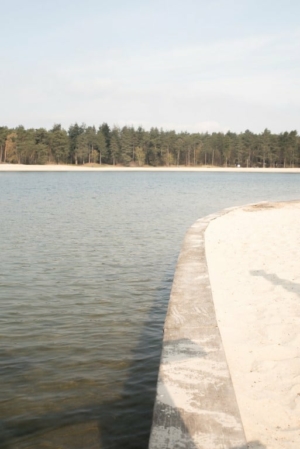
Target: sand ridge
x=253 y=256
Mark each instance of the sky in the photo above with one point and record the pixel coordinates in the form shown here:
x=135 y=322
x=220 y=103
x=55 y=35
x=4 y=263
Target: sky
x=188 y=65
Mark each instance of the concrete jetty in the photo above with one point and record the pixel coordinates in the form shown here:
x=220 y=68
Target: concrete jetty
x=195 y=405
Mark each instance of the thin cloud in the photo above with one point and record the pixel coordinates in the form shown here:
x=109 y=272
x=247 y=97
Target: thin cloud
x=235 y=82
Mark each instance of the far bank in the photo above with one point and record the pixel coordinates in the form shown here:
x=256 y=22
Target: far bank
x=95 y=168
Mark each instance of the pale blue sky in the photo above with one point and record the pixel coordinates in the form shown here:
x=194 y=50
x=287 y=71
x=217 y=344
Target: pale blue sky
x=185 y=65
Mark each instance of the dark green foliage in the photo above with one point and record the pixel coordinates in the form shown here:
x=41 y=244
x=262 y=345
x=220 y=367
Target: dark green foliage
x=115 y=147
x=26 y=145
x=130 y=146
x=59 y=144
x=104 y=128
x=4 y=131
x=74 y=132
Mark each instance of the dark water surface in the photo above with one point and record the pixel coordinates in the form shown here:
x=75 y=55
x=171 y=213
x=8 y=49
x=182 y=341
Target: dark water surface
x=86 y=267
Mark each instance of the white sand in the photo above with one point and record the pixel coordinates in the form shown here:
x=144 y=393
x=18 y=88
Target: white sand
x=253 y=256
x=49 y=167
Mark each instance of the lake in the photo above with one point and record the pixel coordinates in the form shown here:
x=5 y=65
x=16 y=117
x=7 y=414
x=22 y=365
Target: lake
x=86 y=267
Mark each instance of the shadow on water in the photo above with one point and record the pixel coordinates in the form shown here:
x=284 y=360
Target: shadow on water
x=122 y=423
x=134 y=409
x=292 y=287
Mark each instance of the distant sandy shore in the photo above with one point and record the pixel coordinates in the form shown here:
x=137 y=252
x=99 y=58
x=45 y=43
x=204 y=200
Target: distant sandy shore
x=21 y=167
x=253 y=256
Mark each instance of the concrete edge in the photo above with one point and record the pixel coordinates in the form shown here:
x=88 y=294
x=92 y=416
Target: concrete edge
x=195 y=406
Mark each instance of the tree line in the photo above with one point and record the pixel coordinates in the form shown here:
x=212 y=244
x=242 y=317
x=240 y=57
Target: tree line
x=130 y=146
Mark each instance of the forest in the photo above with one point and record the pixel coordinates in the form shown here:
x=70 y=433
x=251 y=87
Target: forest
x=129 y=146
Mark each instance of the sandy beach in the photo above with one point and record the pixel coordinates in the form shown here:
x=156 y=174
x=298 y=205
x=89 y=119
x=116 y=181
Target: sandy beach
x=64 y=168
x=253 y=256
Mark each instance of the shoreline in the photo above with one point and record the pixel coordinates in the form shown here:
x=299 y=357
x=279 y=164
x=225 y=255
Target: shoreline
x=105 y=168
x=195 y=405
x=229 y=374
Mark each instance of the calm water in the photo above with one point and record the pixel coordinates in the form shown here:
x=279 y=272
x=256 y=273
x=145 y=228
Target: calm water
x=86 y=267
